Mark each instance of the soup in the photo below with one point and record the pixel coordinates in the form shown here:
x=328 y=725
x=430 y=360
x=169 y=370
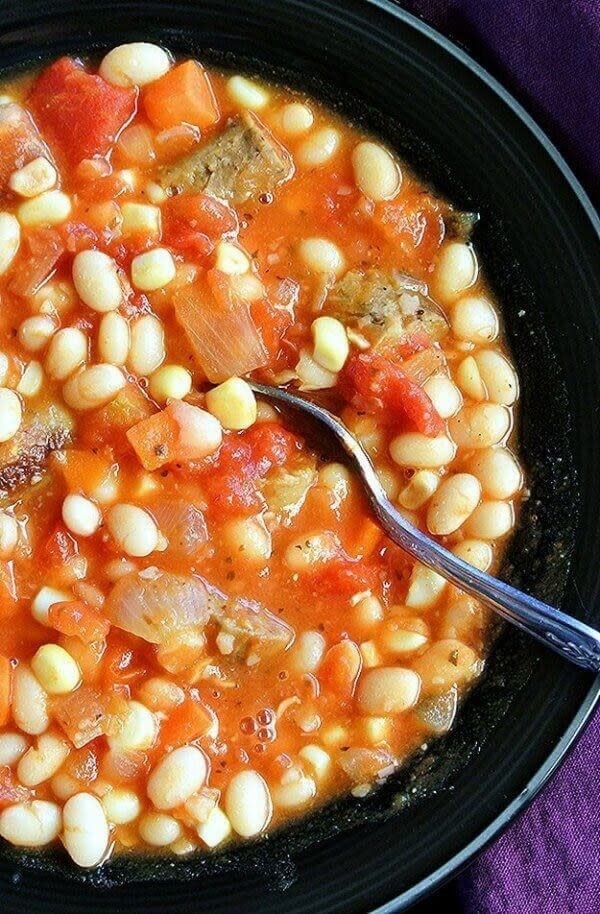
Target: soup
x=204 y=632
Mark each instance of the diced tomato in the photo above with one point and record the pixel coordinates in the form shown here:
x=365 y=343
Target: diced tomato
x=343 y=575
x=77 y=618
x=187 y=722
x=415 y=223
x=79 y=112
x=273 y=320
x=45 y=248
x=184 y=95
x=121 y=665
x=230 y=479
x=341 y=668
x=60 y=547
x=11 y=791
x=200 y=213
x=375 y=383
x=88 y=713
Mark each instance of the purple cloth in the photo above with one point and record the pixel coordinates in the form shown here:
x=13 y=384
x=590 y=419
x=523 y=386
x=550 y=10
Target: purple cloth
x=547 y=52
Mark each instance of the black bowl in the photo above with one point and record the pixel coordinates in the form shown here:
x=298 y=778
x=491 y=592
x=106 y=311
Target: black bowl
x=539 y=240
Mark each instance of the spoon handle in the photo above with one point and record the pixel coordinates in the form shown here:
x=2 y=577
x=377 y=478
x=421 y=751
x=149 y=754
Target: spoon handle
x=566 y=635
x=575 y=640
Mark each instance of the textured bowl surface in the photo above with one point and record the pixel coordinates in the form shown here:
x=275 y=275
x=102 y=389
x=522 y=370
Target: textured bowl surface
x=539 y=241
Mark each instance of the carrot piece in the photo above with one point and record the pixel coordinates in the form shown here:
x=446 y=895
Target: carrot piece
x=184 y=95
x=154 y=439
x=341 y=668
x=73 y=617
x=82 y=470
x=365 y=538
x=5 y=689
x=188 y=721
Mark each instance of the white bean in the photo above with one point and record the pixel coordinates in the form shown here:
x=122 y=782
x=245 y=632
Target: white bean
x=313 y=375
x=85 y=832
x=10 y=239
x=419 y=490
x=387 y=690
x=32 y=824
x=498 y=375
x=246 y=93
x=474 y=319
x=135 y=64
x=331 y=343
x=170 y=382
x=412 y=449
x=249 y=540
x=96 y=280
x=215 y=829
x=34 y=332
x=68 y=349
x=498 y=472
x=113 y=339
x=12 y=747
x=147 y=349
x=159 y=829
x=121 y=805
x=177 y=776
x=33 y=178
x=49 y=208
x=444 y=395
x=308 y=652
x=295 y=793
x=233 y=403
x=479 y=426
x=81 y=516
x=455 y=270
x=133 y=529
x=321 y=256
x=93 y=387
x=376 y=173
x=469 y=379
x=42 y=761
x=55 y=669
x=444 y=664
x=152 y=270
x=319 y=147
x=296 y=118
x=248 y=803
x=491 y=520
x=137 y=731
x=29 y=702
x=454 y=501
x=425 y=587
x=11 y=414
x=475 y=552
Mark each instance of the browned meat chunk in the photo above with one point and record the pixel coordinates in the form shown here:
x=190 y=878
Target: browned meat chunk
x=388 y=305
x=23 y=458
x=242 y=162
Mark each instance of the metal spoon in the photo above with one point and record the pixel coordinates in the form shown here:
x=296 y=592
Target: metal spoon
x=566 y=635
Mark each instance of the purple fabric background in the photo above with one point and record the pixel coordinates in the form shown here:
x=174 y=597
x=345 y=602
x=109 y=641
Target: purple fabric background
x=547 y=52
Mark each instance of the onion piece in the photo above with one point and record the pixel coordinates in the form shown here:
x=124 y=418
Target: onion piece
x=366 y=765
x=221 y=331
x=156 y=605
x=251 y=623
x=135 y=145
x=45 y=250
x=182 y=524
x=439 y=711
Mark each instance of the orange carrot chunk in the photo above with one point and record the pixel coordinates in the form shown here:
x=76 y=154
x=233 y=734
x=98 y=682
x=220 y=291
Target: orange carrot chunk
x=184 y=95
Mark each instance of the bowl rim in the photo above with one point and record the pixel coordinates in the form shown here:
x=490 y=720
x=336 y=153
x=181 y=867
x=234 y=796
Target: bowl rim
x=538 y=780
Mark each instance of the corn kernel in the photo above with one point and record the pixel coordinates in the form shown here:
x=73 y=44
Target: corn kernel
x=331 y=343
x=170 y=382
x=233 y=403
x=33 y=179
x=152 y=270
x=55 y=669
x=231 y=259
x=49 y=208
x=140 y=218
x=376 y=729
